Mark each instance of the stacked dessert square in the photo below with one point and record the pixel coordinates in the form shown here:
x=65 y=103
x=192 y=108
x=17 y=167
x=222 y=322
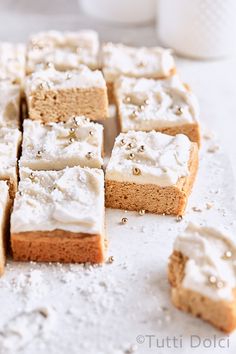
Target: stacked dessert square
x=58 y=206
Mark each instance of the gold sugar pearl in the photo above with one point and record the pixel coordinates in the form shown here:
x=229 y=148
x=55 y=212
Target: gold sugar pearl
x=91 y=133
x=21 y=193
x=227 y=255
x=142 y=212
x=72 y=130
x=134 y=114
x=68 y=76
x=212 y=279
x=122 y=141
x=141 y=108
x=127 y=99
x=142 y=148
x=32 y=176
x=89 y=155
x=130 y=146
x=131 y=156
x=39 y=154
x=75 y=120
x=49 y=64
x=179 y=111
x=179 y=218
x=110 y=259
x=124 y=220
x=71 y=140
x=219 y=284
x=147 y=101
x=136 y=171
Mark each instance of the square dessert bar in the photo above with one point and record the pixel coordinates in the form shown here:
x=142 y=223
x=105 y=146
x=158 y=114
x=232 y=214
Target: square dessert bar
x=58 y=216
x=9 y=104
x=202 y=275
x=12 y=60
x=54 y=146
x=4 y=222
x=151 y=171
x=10 y=140
x=56 y=96
x=63 y=50
x=167 y=106
x=119 y=59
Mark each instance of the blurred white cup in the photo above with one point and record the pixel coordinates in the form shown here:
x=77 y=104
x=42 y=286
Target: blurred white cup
x=198 y=28
x=120 y=11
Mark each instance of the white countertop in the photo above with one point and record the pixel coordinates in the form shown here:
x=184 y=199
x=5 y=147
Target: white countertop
x=103 y=310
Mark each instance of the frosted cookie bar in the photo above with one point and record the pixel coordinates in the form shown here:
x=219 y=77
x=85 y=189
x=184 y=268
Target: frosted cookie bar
x=58 y=216
x=56 y=96
x=9 y=104
x=119 y=59
x=54 y=146
x=12 y=59
x=166 y=106
x=4 y=222
x=202 y=275
x=63 y=50
x=151 y=171
x=10 y=140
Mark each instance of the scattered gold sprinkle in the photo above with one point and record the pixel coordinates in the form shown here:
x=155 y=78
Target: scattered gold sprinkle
x=197 y=209
x=136 y=171
x=141 y=212
x=124 y=220
x=141 y=64
x=89 y=155
x=131 y=156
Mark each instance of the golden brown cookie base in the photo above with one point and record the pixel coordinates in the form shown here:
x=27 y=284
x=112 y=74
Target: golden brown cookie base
x=4 y=235
x=221 y=314
x=58 y=246
x=152 y=198
x=60 y=105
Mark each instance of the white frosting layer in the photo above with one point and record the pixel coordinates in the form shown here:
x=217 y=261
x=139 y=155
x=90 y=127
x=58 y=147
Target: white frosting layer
x=55 y=146
x=206 y=249
x=65 y=50
x=12 y=59
x=51 y=79
x=146 y=104
x=9 y=144
x=164 y=160
x=118 y=59
x=71 y=199
x=9 y=104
